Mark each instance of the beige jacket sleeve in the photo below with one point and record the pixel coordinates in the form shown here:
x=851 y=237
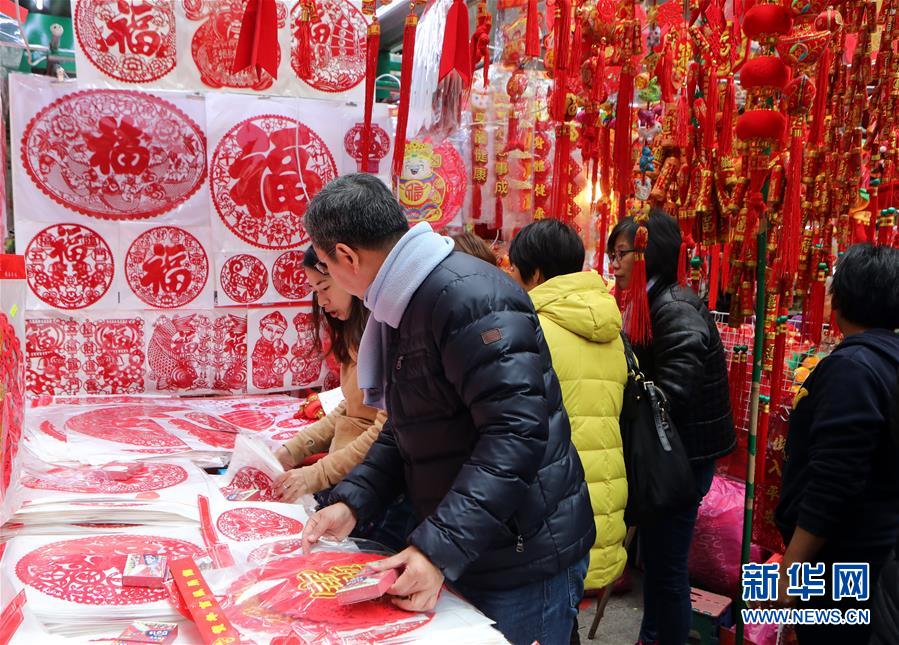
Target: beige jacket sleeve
x=316 y=437
x=329 y=470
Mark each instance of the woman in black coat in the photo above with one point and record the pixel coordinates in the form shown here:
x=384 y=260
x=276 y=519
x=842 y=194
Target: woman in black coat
x=685 y=359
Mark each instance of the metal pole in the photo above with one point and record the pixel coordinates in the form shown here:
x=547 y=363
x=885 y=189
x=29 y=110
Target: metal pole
x=758 y=354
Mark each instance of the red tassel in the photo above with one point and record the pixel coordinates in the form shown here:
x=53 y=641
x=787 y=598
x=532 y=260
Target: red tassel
x=402 y=118
x=737 y=379
x=372 y=44
x=682 y=124
x=682 y=265
x=257 y=45
x=476 y=200
x=455 y=56
x=714 y=271
x=819 y=111
x=308 y=15
x=574 y=58
x=561 y=178
x=791 y=233
x=605 y=215
x=726 y=137
x=725 y=264
x=498 y=207
x=638 y=325
x=623 y=151
x=664 y=74
x=480 y=42
x=532 y=32
x=562 y=40
x=814 y=312
x=711 y=101
x=605 y=161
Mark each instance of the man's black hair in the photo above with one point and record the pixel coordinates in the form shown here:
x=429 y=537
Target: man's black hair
x=357 y=210
x=549 y=245
x=664 y=245
x=865 y=287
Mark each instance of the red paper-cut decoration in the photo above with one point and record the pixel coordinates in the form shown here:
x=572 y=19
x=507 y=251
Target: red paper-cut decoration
x=133 y=42
x=88 y=571
x=210 y=437
x=69 y=266
x=51 y=430
x=214 y=44
x=307 y=597
x=306 y=365
x=129 y=424
x=178 y=352
x=88 y=479
x=249 y=419
x=289 y=277
x=249 y=523
x=51 y=348
x=244 y=278
x=377 y=148
x=433 y=183
x=115 y=154
x=12 y=407
x=338 y=46
x=275 y=549
x=270 y=353
x=229 y=355
x=166 y=267
x=263 y=174
x=249 y=478
x=113 y=356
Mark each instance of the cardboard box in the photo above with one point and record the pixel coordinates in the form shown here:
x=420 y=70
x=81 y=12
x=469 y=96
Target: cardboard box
x=141 y=632
x=145 y=570
x=366 y=587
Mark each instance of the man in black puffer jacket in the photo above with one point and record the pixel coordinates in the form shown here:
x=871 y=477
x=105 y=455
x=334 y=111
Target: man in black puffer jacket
x=477 y=435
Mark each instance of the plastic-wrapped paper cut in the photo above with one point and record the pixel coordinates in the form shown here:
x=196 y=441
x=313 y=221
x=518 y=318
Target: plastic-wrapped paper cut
x=76 y=584
x=433 y=183
x=253 y=467
x=281 y=350
x=380 y=145
x=266 y=163
x=229 y=352
x=166 y=267
x=106 y=154
x=179 y=352
x=208 y=33
x=12 y=370
x=123 y=43
x=254 y=522
x=262 y=277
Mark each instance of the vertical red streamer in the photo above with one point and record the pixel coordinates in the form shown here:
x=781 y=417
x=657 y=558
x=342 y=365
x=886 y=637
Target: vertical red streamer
x=623 y=157
x=819 y=111
x=532 y=33
x=714 y=271
x=726 y=138
x=711 y=101
x=372 y=44
x=402 y=119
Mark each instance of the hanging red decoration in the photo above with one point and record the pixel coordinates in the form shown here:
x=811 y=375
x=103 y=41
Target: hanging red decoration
x=257 y=46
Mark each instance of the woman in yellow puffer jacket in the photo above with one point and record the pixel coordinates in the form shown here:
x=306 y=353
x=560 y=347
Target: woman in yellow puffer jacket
x=582 y=326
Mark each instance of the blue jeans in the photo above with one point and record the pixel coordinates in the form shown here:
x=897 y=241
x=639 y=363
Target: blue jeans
x=542 y=611
x=665 y=547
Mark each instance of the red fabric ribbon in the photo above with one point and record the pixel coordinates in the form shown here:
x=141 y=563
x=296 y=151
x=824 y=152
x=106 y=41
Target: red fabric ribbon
x=257 y=46
x=456 y=54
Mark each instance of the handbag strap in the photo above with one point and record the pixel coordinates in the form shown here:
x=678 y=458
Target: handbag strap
x=633 y=367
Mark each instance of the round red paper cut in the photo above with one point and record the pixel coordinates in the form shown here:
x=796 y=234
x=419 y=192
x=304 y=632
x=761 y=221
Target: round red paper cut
x=307 y=597
x=212 y=421
x=378 y=146
x=133 y=42
x=249 y=478
x=88 y=571
x=48 y=428
x=115 y=154
x=212 y=438
x=244 y=278
x=166 y=267
x=69 y=266
x=433 y=183
x=248 y=524
x=94 y=480
x=249 y=419
x=289 y=277
x=128 y=424
x=336 y=47
x=263 y=174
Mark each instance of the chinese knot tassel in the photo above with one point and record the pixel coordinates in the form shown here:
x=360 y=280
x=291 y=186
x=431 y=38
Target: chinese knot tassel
x=304 y=38
x=455 y=56
x=372 y=44
x=257 y=46
x=819 y=111
x=813 y=319
x=714 y=273
x=791 y=233
x=480 y=42
x=402 y=119
x=711 y=101
x=638 y=324
x=726 y=138
x=664 y=74
x=623 y=159
x=532 y=32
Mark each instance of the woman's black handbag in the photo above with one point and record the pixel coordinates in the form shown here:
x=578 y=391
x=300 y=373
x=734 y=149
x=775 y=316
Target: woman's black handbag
x=659 y=476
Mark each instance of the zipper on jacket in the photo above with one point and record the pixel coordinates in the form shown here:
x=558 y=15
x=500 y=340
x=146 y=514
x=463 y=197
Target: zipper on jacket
x=519 y=545
x=399 y=363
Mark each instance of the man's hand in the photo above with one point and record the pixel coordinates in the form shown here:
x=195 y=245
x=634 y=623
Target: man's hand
x=783 y=600
x=418 y=587
x=290 y=486
x=334 y=522
x=283 y=455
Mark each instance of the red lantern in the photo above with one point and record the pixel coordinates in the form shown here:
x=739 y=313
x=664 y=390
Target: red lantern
x=761 y=126
x=766 y=22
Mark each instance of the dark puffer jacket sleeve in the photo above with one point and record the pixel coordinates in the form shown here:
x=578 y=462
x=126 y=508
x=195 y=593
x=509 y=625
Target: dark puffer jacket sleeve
x=680 y=344
x=491 y=356
x=372 y=485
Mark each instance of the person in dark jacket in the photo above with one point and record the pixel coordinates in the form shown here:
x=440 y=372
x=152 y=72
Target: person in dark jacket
x=477 y=435
x=885 y=612
x=685 y=359
x=839 y=498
